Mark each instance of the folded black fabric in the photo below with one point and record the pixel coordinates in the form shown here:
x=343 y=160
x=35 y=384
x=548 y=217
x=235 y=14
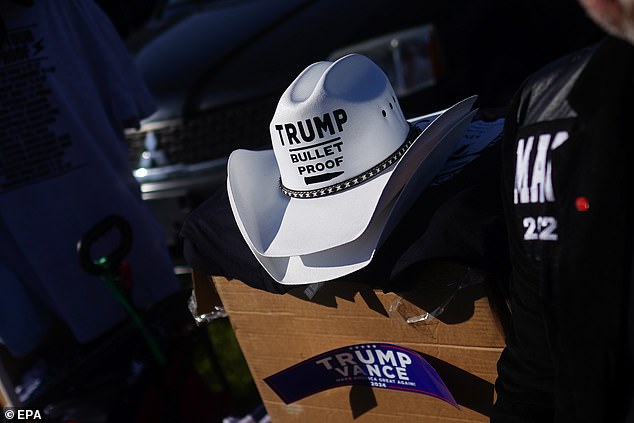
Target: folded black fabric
x=459 y=220
x=213 y=244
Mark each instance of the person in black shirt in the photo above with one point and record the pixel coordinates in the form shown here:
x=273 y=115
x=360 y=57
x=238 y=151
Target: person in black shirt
x=567 y=189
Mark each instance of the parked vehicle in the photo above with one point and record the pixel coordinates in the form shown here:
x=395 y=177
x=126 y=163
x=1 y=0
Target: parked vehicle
x=217 y=69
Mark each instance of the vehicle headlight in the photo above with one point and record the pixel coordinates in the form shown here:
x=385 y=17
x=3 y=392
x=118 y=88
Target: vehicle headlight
x=410 y=58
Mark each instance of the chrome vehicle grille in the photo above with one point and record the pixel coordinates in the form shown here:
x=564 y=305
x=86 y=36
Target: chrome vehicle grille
x=208 y=135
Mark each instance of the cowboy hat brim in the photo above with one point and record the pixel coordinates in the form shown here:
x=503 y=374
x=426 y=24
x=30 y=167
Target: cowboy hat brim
x=276 y=225
x=329 y=264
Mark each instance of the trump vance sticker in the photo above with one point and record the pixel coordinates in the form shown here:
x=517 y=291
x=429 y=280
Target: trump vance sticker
x=385 y=366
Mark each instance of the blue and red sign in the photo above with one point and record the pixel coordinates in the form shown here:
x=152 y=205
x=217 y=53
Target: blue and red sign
x=380 y=365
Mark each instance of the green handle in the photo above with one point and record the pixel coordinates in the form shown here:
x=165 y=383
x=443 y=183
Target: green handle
x=149 y=339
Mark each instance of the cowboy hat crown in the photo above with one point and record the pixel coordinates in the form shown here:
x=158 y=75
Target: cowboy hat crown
x=336 y=121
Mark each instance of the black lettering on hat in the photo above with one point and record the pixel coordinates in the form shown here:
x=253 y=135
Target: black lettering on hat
x=309 y=126
x=321 y=178
x=310 y=129
x=316 y=151
x=340 y=118
x=280 y=128
x=291 y=133
x=323 y=124
x=318 y=167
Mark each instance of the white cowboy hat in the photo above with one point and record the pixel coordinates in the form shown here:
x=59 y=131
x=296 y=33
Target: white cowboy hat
x=339 y=142
x=347 y=258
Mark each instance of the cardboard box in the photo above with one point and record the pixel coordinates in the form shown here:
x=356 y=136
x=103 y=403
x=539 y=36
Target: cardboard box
x=463 y=345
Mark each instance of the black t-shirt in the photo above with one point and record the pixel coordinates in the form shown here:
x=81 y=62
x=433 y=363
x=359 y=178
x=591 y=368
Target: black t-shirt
x=567 y=185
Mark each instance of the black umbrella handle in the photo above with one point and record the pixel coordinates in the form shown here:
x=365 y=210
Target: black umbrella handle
x=112 y=260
